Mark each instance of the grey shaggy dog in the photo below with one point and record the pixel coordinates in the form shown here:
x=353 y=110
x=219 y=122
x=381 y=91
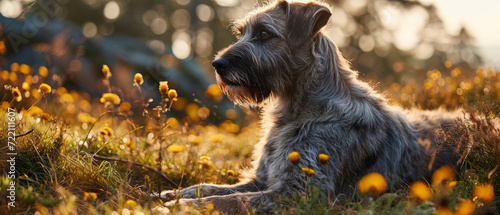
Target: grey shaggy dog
x=312 y=103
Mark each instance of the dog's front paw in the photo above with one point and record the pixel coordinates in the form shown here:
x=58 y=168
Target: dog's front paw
x=188 y=193
x=168 y=195
x=178 y=204
x=224 y=204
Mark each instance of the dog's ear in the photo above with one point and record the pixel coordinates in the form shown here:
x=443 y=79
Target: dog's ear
x=303 y=21
x=283 y=5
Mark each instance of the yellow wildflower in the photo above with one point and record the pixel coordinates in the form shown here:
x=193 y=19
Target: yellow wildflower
x=93 y=196
x=443 y=210
x=484 y=192
x=124 y=107
x=195 y=140
x=17 y=94
x=29 y=79
x=213 y=92
x=447 y=64
x=218 y=138
x=421 y=190
x=130 y=144
x=89 y=196
x=163 y=87
x=85 y=196
x=14 y=67
x=5 y=105
x=323 y=158
x=85 y=105
x=209 y=207
x=373 y=183
x=45 y=88
x=106 y=131
x=130 y=203
x=309 y=172
x=106 y=71
x=192 y=111
x=147 y=182
x=294 y=157
x=466 y=207
x=110 y=98
x=230 y=172
x=172 y=94
x=34 y=110
x=443 y=175
x=66 y=98
x=138 y=78
x=46 y=116
x=176 y=149
x=13 y=77
x=25 y=69
x=204 y=161
x=86 y=118
x=103 y=132
x=5 y=75
x=35 y=93
x=172 y=122
x=43 y=71
x=61 y=91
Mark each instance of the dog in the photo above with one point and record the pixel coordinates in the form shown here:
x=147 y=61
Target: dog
x=312 y=103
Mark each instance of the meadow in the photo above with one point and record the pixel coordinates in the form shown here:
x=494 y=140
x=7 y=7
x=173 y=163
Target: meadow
x=78 y=154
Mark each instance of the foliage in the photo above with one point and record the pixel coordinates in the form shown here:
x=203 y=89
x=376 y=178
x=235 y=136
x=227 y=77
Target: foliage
x=59 y=171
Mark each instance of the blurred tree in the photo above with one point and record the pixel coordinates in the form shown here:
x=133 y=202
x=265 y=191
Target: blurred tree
x=387 y=40
x=398 y=40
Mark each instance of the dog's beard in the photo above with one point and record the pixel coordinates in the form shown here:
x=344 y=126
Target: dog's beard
x=237 y=93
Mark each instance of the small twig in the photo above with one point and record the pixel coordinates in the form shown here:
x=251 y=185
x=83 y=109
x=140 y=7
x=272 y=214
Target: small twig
x=99 y=157
x=22 y=135
x=28 y=132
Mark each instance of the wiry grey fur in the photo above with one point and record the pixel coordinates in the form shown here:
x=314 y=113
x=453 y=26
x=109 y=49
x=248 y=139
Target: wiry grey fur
x=312 y=103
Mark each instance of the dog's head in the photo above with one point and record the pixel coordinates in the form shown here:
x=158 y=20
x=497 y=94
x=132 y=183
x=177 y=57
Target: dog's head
x=263 y=62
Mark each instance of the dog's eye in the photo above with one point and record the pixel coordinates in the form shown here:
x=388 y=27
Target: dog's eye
x=265 y=34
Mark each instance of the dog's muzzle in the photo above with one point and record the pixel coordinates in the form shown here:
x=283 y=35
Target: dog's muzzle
x=221 y=67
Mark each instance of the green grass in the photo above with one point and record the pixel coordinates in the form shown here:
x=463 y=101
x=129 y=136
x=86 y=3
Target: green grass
x=58 y=174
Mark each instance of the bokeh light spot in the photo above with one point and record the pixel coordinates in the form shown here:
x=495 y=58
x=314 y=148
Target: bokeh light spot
x=158 y=26
x=10 y=9
x=180 y=19
x=111 y=10
x=89 y=29
x=204 y=12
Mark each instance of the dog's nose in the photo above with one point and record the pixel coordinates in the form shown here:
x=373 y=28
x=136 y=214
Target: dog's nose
x=220 y=64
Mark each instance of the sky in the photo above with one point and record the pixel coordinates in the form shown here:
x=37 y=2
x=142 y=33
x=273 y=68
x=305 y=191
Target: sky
x=481 y=17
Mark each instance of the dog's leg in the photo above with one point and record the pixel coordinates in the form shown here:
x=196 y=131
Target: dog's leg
x=234 y=203
x=204 y=190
